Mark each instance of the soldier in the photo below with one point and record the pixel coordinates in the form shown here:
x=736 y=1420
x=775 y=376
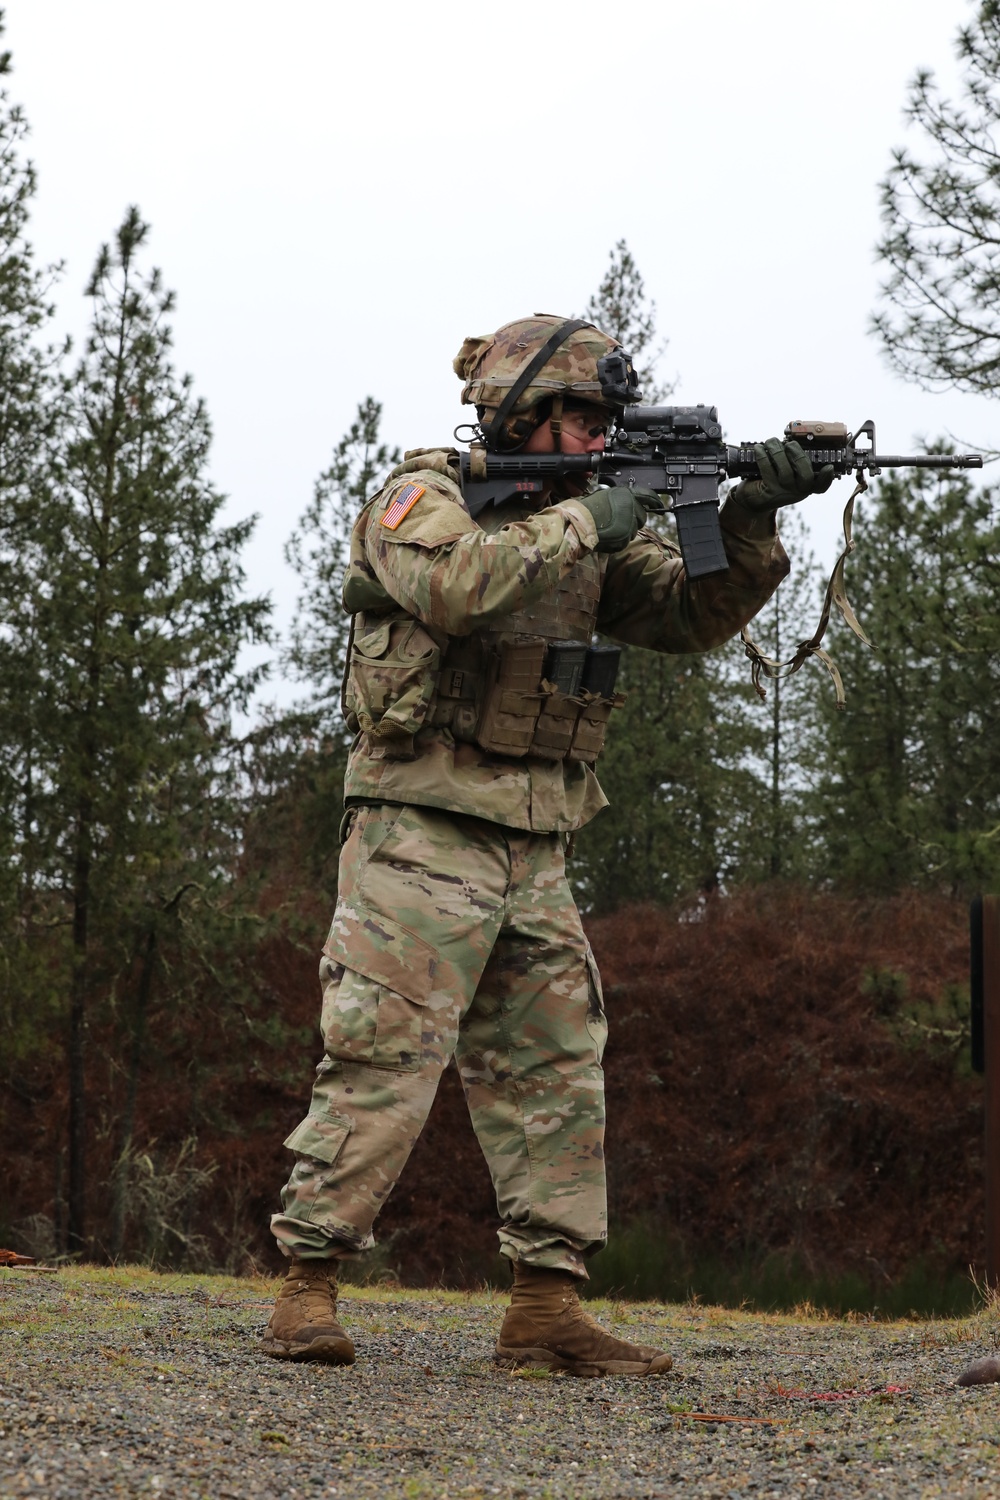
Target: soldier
x=455 y=932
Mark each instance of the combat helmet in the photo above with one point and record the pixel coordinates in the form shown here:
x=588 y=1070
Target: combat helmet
x=525 y=371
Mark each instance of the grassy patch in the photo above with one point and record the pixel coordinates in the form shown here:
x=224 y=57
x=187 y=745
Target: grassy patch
x=643 y=1262
x=122 y=1306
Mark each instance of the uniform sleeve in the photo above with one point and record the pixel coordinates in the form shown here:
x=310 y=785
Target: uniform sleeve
x=647 y=600
x=447 y=572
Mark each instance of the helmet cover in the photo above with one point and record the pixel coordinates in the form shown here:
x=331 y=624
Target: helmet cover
x=490 y=365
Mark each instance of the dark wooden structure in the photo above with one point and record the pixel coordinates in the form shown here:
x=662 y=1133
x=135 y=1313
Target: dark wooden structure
x=985 y=995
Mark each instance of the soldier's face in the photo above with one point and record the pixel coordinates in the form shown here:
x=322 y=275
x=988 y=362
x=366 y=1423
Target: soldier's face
x=584 y=429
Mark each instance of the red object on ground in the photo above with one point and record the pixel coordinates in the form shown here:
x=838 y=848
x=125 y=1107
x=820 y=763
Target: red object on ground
x=11 y=1258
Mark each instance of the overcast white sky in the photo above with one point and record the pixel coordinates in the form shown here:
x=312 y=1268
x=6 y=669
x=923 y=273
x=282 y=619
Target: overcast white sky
x=339 y=193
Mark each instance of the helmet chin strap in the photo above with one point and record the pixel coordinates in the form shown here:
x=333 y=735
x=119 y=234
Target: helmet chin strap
x=555 y=421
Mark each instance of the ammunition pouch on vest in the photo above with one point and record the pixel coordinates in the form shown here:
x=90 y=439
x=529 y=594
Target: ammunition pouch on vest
x=490 y=692
x=392 y=670
x=509 y=706
x=531 y=687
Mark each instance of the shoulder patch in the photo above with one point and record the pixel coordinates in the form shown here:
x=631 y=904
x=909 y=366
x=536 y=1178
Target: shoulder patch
x=403 y=503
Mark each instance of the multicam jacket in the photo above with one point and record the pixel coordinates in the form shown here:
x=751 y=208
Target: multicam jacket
x=434 y=593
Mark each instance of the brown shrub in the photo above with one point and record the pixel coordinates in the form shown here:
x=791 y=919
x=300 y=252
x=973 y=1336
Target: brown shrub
x=766 y=1092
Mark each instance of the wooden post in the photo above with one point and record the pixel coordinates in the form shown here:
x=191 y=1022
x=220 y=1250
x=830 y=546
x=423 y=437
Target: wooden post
x=985 y=928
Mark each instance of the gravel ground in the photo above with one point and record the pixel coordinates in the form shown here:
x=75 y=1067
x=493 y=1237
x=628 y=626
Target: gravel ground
x=123 y=1382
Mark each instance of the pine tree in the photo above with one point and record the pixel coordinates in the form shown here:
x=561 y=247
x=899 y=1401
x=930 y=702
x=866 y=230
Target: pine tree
x=619 y=307
x=908 y=776
x=27 y=424
x=675 y=766
x=318 y=550
x=297 y=757
x=675 y=771
x=132 y=630
x=939 y=325
x=778 y=727
x=26 y=363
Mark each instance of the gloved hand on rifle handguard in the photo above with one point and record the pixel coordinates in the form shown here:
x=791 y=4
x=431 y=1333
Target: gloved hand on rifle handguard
x=618 y=513
x=786 y=477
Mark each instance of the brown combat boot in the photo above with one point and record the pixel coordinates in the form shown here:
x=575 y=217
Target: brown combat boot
x=304 y=1322
x=545 y=1325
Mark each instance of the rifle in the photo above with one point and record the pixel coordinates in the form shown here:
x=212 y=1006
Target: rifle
x=678 y=452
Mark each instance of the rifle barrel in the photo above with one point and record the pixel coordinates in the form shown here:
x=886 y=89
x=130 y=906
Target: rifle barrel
x=920 y=460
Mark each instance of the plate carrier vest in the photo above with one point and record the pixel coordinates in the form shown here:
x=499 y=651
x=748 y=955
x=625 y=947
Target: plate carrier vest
x=502 y=688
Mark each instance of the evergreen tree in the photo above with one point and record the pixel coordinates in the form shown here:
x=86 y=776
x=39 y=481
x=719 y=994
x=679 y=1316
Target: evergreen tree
x=26 y=364
x=675 y=771
x=619 y=307
x=318 y=550
x=131 y=631
x=27 y=423
x=297 y=759
x=675 y=767
x=908 y=776
x=779 y=727
x=940 y=325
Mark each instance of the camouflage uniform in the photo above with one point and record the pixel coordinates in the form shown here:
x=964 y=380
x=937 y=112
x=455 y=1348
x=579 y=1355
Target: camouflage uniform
x=455 y=931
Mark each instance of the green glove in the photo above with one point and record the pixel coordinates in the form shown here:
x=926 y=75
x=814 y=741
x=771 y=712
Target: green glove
x=786 y=477
x=618 y=513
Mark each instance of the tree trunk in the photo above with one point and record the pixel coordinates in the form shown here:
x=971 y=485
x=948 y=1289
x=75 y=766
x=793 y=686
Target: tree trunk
x=76 y=1189
x=120 y=1191
x=777 y=830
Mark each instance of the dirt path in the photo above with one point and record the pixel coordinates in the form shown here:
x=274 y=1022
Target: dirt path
x=125 y=1383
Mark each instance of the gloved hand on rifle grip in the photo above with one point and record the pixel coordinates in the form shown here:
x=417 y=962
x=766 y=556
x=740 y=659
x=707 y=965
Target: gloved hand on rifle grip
x=786 y=477
x=618 y=513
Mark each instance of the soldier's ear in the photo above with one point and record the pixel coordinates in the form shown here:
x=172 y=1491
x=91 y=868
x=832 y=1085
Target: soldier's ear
x=519 y=429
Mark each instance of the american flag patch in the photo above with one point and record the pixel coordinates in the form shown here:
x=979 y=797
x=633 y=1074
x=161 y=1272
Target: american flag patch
x=404 y=502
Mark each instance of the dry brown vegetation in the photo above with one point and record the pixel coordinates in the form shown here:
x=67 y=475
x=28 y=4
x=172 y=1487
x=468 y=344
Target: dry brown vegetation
x=785 y=1076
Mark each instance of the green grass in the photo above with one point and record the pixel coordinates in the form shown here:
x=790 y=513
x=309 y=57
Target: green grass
x=137 y=1346
x=645 y=1263
x=641 y=1264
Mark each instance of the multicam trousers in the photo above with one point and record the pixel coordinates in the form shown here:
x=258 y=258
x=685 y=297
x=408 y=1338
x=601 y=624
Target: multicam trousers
x=454 y=936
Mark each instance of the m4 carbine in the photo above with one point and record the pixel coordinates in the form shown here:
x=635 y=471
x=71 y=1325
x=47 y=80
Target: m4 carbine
x=678 y=452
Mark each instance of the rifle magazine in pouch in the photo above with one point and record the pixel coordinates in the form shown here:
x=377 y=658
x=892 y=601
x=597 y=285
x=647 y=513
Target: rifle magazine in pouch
x=592 y=726
x=556 y=727
x=513 y=698
x=391 y=677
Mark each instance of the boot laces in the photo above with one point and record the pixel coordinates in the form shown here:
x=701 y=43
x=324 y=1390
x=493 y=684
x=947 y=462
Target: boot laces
x=317 y=1292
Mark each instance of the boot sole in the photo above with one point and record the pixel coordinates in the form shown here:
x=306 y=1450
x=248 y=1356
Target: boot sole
x=545 y=1359
x=330 y=1351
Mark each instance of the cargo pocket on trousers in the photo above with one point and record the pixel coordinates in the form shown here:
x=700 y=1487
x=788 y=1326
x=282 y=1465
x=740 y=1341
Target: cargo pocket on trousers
x=377 y=1013
x=597 y=1021
x=317 y=1143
